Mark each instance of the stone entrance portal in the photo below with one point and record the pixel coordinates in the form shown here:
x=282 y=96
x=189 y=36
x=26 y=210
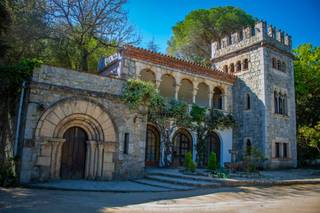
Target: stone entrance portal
x=73 y=154
x=212 y=145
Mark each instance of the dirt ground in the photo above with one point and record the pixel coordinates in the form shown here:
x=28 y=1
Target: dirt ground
x=296 y=198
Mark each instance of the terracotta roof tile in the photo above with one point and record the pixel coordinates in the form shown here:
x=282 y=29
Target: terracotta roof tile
x=176 y=63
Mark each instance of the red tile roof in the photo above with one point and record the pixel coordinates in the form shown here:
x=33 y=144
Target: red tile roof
x=176 y=63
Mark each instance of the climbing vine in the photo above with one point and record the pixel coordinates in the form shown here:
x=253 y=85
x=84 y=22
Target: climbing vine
x=11 y=78
x=169 y=115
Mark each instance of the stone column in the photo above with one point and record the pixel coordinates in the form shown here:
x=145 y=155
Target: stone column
x=99 y=159
x=91 y=159
x=56 y=149
x=158 y=82
x=194 y=94
x=210 y=99
x=176 y=91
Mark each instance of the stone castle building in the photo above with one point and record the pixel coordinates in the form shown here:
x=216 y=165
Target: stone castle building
x=75 y=124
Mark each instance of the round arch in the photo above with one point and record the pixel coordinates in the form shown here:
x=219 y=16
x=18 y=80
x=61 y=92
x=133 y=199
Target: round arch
x=186 y=91
x=85 y=113
x=213 y=144
x=148 y=75
x=167 y=86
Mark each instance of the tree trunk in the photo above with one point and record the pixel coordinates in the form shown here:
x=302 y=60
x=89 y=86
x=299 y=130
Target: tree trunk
x=84 y=60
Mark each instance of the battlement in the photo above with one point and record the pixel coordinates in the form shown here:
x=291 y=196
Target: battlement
x=260 y=33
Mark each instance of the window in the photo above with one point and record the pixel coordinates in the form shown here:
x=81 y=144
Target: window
x=225 y=68
x=232 y=68
x=280 y=103
x=217 y=98
x=283 y=66
x=274 y=63
x=229 y=40
x=253 y=31
x=245 y=64
x=277 y=150
x=279 y=65
x=241 y=35
x=248 y=102
x=248 y=147
x=281 y=150
x=126 y=143
x=238 y=66
x=285 y=150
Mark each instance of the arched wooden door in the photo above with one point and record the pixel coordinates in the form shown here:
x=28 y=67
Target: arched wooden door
x=73 y=154
x=152 y=155
x=182 y=142
x=212 y=145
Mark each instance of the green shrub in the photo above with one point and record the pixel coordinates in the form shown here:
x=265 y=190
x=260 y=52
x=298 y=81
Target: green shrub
x=7 y=174
x=212 y=162
x=189 y=164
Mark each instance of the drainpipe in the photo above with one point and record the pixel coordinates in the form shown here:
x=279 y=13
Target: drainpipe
x=16 y=143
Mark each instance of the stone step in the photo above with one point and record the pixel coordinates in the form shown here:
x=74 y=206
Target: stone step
x=182 y=176
x=185 y=182
x=162 y=184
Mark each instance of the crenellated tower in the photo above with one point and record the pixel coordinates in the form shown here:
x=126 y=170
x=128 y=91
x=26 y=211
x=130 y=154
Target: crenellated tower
x=263 y=95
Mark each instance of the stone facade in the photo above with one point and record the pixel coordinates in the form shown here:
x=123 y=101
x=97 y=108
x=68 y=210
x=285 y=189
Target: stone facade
x=257 y=66
x=261 y=124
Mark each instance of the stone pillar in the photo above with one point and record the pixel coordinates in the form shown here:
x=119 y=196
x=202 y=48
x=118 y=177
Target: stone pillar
x=194 y=94
x=210 y=99
x=56 y=149
x=158 y=82
x=176 y=91
x=99 y=159
x=91 y=159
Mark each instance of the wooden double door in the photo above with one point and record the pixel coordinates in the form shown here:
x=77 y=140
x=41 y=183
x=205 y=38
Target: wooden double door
x=152 y=154
x=73 y=156
x=182 y=143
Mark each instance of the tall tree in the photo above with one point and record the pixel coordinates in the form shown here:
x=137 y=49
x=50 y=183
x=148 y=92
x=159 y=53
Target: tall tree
x=152 y=46
x=193 y=36
x=307 y=85
x=91 y=24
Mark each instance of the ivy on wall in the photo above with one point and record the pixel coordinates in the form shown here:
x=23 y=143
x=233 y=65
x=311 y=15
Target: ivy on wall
x=169 y=115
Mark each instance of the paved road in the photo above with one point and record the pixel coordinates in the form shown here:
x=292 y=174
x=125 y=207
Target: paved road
x=298 y=198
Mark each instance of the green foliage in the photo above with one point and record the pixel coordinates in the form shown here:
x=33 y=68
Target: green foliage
x=310 y=135
x=7 y=174
x=218 y=120
x=188 y=163
x=198 y=113
x=254 y=161
x=307 y=86
x=140 y=93
x=212 y=162
x=192 y=37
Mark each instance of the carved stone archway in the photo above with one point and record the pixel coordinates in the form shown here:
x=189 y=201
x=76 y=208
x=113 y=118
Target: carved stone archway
x=94 y=120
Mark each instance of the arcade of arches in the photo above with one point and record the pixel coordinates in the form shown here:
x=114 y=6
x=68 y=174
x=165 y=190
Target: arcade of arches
x=186 y=90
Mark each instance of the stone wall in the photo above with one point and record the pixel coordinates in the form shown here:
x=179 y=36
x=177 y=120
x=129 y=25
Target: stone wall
x=59 y=99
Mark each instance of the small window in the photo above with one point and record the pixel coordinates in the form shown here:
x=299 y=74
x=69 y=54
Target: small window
x=238 y=66
x=277 y=150
x=248 y=102
x=279 y=65
x=285 y=150
x=245 y=64
x=232 y=68
x=225 y=68
x=241 y=35
x=126 y=143
x=229 y=40
x=283 y=67
x=253 y=31
x=274 y=63
x=248 y=147
x=276 y=102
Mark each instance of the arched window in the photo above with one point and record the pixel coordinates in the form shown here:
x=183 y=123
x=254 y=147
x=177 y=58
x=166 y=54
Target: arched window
x=274 y=63
x=217 y=98
x=248 y=147
x=238 y=66
x=276 y=102
x=241 y=35
x=245 y=64
x=284 y=67
x=225 y=68
x=285 y=107
x=279 y=65
x=253 y=31
x=280 y=103
x=248 y=102
x=232 y=67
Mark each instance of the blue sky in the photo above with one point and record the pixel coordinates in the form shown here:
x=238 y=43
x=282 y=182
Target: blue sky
x=155 y=18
